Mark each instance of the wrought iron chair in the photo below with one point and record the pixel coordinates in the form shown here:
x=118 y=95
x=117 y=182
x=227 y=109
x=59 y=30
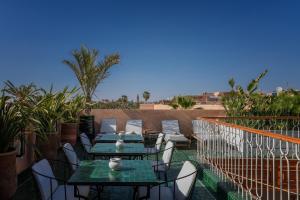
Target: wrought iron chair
x=86 y=143
x=182 y=187
x=74 y=161
x=49 y=187
x=158 y=143
x=163 y=165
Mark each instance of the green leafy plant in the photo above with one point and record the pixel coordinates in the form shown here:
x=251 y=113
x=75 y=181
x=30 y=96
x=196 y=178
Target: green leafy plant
x=10 y=123
x=249 y=102
x=146 y=95
x=51 y=107
x=72 y=109
x=89 y=72
x=24 y=98
x=182 y=102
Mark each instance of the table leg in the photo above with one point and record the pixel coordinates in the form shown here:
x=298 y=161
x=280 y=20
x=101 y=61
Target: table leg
x=148 y=192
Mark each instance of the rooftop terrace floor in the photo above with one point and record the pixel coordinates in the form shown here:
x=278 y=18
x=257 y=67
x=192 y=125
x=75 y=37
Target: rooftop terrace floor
x=28 y=190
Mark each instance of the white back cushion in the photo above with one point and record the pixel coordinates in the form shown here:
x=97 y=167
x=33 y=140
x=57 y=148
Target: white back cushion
x=168 y=153
x=43 y=167
x=71 y=156
x=170 y=127
x=184 y=186
x=85 y=142
x=159 y=141
x=134 y=126
x=108 y=125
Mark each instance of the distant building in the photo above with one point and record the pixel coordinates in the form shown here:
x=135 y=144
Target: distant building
x=205 y=101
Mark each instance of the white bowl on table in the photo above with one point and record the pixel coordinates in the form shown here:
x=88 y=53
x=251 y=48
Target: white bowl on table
x=120 y=143
x=115 y=163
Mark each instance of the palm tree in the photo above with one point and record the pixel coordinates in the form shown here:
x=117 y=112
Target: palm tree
x=124 y=99
x=146 y=95
x=90 y=72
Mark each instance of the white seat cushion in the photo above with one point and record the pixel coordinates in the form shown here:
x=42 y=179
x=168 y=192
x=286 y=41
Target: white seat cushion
x=165 y=193
x=151 y=150
x=71 y=156
x=60 y=192
x=176 y=138
x=85 y=142
x=159 y=166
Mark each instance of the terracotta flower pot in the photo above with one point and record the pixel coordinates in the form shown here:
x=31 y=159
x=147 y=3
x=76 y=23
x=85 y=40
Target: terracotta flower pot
x=69 y=133
x=8 y=174
x=48 y=147
x=29 y=155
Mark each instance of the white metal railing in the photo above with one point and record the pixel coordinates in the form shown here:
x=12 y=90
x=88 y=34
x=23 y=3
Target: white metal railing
x=259 y=163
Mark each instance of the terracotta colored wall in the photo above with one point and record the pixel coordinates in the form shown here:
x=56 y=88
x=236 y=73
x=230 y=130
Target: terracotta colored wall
x=152 y=118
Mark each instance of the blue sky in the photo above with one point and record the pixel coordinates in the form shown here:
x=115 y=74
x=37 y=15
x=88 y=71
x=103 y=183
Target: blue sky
x=166 y=47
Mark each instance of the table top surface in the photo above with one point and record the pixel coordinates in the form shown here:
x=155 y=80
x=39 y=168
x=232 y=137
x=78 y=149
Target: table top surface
x=97 y=172
x=110 y=138
x=111 y=149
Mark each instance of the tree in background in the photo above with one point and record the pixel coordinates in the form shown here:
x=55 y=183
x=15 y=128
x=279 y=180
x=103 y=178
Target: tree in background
x=146 y=95
x=88 y=70
x=123 y=99
x=182 y=102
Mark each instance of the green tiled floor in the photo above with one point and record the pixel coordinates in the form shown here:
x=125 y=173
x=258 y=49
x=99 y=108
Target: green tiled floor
x=27 y=188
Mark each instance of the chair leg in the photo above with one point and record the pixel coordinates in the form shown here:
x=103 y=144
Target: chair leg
x=166 y=177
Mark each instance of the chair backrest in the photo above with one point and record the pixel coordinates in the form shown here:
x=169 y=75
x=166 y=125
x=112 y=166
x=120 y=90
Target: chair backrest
x=196 y=126
x=168 y=153
x=85 y=142
x=108 y=125
x=40 y=170
x=185 y=181
x=134 y=126
x=71 y=156
x=170 y=127
x=159 y=141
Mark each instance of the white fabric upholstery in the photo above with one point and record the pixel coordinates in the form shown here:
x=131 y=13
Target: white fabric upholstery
x=134 y=126
x=159 y=141
x=150 y=150
x=170 y=127
x=108 y=125
x=58 y=191
x=159 y=166
x=176 y=138
x=184 y=186
x=71 y=156
x=172 y=131
x=43 y=167
x=168 y=153
x=85 y=142
x=165 y=193
x=157 y=146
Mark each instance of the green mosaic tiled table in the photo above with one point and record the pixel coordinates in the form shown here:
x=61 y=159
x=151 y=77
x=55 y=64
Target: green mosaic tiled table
x=97 y=172
x=112 y=138
x=110 y=149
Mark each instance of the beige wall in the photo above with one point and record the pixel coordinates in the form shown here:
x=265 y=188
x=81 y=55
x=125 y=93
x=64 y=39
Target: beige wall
x=152 y=118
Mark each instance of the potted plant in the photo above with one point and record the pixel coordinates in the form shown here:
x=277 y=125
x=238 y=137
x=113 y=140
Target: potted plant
x=10 y=128
x=69 y=126
x=24 y=98
x=49 y=113
x=90 y=73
